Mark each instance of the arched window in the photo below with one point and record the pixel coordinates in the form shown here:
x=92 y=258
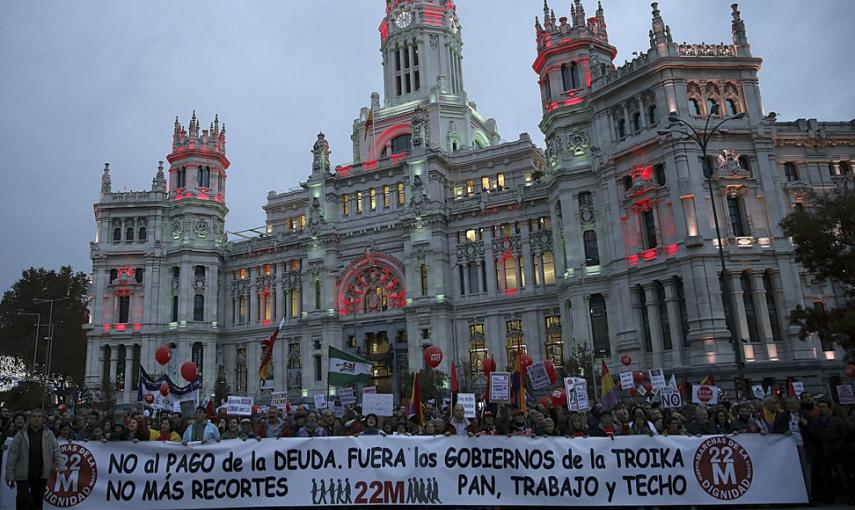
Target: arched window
x=659 y=174
x=651 y=115
x=574 y=75
x=129 y=234
x=732 y=109
x=138 y=274
x=399 y=144
x=547 y=88
x=143 y=234
x=694 y=107
x=744 y=163
x=627 y=182
x=636 y=122
x=117 y=234
x=199 y=307
x=712 y=106
x=621 y=128
x=565 y=77
x=113 y=275
x=554 y=342
x=790 y=172
x=592 y=250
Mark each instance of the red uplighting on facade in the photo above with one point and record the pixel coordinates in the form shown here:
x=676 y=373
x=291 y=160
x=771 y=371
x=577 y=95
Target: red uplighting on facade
x=632 y=260
x=204 y=196
x=370 y=165
x=121 y=327
x=137 y=326
x=218 y=197
x=671 y=250
x=107 y=327
x=553 y=105
x=512 y=292
x=266 y=322
x=343 y=171
x=384 y=30
x=649 y=254
x=432 y=15
x=397 y=158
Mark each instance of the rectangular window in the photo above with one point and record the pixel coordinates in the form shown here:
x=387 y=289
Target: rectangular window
x=554 y=342
x=648 y=224
x=358 y=202
x=373 y=199
x=387 y=196
x=423 y=274
x=242 y=309
x=345 y=205
x=124 y=309
x=174 y=308
x=318 y=368
x=470 y=186
x=266 y=311
x=244 y=274
x=401 y=197
x=317 y=294
x=198 y=307
x=485 y=184
x=548 y=268
x=295 y=302
x=734 y=210
x=500 y=181
x=790 y=172
x=473 y=276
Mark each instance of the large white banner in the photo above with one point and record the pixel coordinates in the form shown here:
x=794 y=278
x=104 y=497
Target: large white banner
x=747 y=469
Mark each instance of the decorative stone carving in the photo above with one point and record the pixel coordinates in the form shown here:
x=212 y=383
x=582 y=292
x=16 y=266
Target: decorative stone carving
x=316 y=217
x=201 y=229
x=421 y=128
x=728 y=166
x=540 y=241
x=177 y=230
x=418 y=197
x=470 y=251
x=706 y=50
x=321 y=155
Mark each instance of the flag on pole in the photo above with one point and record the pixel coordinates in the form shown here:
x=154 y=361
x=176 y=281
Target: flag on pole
x=518 y=384
x=455 y=385
x=267 y=352
x=414 y=409
x=672 y=383
x=708 y=381
x=608 y=392
x=346 y=368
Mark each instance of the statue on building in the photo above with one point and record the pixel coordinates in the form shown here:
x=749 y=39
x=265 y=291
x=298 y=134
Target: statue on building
x=321 y=155
x=421 y=128
x=419 y=197
x=316 y=217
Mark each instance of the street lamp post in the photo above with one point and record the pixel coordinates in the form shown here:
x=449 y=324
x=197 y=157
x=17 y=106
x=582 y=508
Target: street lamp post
x=702 y=138
x=49 y=338
x=38 y=325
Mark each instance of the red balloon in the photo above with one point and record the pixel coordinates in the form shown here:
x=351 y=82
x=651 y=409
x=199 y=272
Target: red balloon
x=149 y=398
x=433 y=356
x=626 y=359
x=164 y=389
x=525 y=361
x=633 y=391
x=648 y=387
x=550 y=371
x=163 y=354
x=188 y=371
x=559 y=397
x=489 y=365
x=545 y=401
x=850 y=371
x=256 y=409
x=638 y=377
x=62 y=408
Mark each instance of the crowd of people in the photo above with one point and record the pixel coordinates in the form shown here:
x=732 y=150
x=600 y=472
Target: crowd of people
x=823 y=432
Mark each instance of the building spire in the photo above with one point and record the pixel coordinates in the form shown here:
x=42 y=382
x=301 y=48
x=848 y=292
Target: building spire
x=105 y=179
x=159 y=181
x=740 y=37
x=657 y=33
x=579 y=16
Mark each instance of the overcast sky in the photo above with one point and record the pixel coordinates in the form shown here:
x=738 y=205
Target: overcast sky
x=86 y=82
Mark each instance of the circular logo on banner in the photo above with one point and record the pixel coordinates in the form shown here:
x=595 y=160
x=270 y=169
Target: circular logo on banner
x=723 y=468
x=70 y=487
x=705 y=394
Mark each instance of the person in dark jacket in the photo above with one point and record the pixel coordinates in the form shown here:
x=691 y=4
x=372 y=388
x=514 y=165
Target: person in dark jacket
x=793 y=422
x=32 y=454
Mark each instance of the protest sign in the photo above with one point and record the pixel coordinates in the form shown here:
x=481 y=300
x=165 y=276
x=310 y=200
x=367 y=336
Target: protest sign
x=347 y=396
x=320 y=401
x=380 y=404
x=657 y=379
x=798 y=388
x=570 y=390
x=845 y=394
x=467 y=400
x=670 y=398
x=338 y=409
x=539 y=376
x=635 y=471
x=500 y=387
x=705 y=394
x=368 y=390
x=279 y=399
x=626 y=381
x=758 y=392
x=581 y=390
x=239 y=406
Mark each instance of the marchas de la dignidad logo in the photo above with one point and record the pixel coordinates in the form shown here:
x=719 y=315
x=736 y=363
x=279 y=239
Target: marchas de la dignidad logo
x=72 y=486
x=723 y=468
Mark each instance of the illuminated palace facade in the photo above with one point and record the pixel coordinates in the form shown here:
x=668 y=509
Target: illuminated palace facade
x=439 y=232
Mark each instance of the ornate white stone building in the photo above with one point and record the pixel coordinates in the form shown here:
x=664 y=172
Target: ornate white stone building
x=438 y=232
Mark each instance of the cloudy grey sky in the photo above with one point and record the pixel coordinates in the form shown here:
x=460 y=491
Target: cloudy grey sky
x=86 y=82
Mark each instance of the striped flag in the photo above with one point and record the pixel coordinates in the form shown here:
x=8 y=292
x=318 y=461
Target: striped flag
x=346 y=369
x=267 y=352
x=608 y=392
x=414 y=409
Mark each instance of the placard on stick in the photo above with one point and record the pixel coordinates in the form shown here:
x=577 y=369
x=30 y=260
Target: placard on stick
x=500 y=387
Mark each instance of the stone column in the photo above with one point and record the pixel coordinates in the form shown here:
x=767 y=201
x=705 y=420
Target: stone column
x=114 y=362
x=252 y=313
x=526 y=270
x=737 y=306
x=280 y=292
x=129 y=376
x=674 y=322
x=652 y=305
x=758 y=294
x=490 y=260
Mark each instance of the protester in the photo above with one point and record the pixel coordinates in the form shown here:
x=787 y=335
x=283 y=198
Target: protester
x=371 y=428
x=202 y=429
x=165 y=433
x=458 y=425
x=312 y=429
x=32 y=453
x=232 y=430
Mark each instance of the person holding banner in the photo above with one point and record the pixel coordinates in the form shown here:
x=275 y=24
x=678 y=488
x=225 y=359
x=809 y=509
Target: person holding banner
x=32 y=454
x=202 y=429
x=165 y=433
x=639 y=424
x=311 y=428
x=458 y=425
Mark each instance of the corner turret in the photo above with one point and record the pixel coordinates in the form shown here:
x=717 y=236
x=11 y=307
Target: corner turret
x=198 y=162
x=106 y=183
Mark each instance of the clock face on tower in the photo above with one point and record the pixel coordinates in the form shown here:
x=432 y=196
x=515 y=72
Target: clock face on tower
x=403 y=19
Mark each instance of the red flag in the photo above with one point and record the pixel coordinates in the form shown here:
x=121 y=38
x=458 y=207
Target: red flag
x=212 y=412
x=267 y=352
x=455 y=385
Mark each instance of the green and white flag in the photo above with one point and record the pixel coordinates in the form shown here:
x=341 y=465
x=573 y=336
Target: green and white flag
x=346 y=368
